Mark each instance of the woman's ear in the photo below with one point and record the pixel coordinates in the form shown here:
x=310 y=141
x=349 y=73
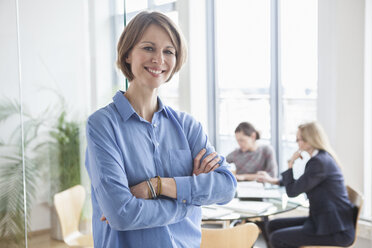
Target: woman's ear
x=254 y=135
x=128 y=59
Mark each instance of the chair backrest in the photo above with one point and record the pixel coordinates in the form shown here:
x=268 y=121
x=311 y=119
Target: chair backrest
x=238 y=236
x=69 y=204
x=356 y=199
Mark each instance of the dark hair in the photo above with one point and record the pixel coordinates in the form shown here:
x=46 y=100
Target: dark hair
x=247 y=128
x=133 y=33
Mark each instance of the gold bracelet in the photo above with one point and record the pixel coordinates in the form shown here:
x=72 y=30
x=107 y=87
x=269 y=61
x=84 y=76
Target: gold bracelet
x=159 y=186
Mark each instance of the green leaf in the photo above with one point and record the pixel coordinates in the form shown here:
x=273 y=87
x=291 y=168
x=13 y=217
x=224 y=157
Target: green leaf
x=9 y=108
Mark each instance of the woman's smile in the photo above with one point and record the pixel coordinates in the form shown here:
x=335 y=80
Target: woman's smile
x=154 y=71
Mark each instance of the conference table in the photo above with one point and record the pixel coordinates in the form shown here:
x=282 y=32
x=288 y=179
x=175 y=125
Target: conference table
x=254 y=202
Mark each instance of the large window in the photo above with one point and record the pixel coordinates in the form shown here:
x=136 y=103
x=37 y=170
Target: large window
x=266 y=69
x=242 y=68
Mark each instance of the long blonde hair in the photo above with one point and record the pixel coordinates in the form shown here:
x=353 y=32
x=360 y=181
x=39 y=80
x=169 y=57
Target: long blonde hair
x=314 y=135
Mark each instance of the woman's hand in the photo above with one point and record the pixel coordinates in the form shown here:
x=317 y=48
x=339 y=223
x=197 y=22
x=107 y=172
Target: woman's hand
x=240 y=177
x=209 y=163
x=141 y=190
x=294 y=157
x=103 y=218
x=264 y=177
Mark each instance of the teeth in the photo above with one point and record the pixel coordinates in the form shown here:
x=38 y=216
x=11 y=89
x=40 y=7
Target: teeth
x=154 y=71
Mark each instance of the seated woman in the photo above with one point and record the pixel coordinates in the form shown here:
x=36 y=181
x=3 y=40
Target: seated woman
x=250 y=157
x=331 y=214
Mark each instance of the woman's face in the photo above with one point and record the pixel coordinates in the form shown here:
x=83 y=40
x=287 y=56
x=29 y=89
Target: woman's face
x=246 y=143
x=153 y=58
x=302 y=145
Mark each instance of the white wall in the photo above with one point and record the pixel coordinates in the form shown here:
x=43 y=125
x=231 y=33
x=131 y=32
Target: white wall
x=8 y=50
x=60 y=42
x=368 y=109
x=341 y=82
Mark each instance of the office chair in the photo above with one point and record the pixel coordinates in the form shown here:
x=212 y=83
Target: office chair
x=357 y=199
x=236 y=237
x=69 y=204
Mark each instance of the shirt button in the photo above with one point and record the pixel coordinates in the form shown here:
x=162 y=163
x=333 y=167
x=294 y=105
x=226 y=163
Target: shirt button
x=157 y=144
x=183 y=201
x=155 y=125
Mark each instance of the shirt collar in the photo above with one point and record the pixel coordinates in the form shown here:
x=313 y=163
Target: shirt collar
x=315 y=152
x=126 y=110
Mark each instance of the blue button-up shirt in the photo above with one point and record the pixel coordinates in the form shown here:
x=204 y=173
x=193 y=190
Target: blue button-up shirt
x=124 y=150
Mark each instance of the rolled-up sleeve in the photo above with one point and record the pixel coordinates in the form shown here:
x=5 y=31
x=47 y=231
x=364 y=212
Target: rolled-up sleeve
x=207 y=188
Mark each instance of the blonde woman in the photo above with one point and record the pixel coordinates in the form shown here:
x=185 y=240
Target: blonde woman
x=330 y=221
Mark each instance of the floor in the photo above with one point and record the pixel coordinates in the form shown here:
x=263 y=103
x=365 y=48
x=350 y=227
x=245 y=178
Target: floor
x=260 y=243
x=43 y=240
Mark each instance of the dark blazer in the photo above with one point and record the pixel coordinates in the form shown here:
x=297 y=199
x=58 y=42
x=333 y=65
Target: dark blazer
x=322 y=181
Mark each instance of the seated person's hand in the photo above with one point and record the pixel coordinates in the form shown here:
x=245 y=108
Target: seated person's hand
x=263 y=177
x=240 y=177
x=209 y=163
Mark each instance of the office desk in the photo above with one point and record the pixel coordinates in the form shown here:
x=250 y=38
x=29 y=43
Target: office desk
x=223 y=213
x=269 y=201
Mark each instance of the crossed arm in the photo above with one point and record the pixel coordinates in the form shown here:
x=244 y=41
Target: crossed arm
x=168 y=184
x=169 y=187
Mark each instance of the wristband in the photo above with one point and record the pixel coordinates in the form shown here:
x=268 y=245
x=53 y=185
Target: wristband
x=153 y=194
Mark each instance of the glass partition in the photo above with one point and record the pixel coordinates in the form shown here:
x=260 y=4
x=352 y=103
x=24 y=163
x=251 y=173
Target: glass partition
x=12 y=210
x=69 y=72
x=67 y=66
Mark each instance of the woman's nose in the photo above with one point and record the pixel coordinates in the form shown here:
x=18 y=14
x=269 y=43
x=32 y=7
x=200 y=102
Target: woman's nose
x=158 y=58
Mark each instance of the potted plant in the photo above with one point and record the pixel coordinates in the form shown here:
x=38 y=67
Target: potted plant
x=12 y=159
x=51 y=149
x=65 y=170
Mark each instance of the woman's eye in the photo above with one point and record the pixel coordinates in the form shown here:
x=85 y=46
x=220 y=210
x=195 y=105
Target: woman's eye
x=148 y=48
x=168 y=52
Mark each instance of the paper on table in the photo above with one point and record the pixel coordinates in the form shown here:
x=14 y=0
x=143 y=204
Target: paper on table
x=251 y=184
x=256 y=190
x=211 y=212
x=253 y=207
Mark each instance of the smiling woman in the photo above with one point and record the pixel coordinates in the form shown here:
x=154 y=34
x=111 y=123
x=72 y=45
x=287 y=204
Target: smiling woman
x=151 y=167
x=153 y=59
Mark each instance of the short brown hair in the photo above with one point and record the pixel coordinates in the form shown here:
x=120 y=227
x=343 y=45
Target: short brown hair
x=247 y=129
x=134 y=31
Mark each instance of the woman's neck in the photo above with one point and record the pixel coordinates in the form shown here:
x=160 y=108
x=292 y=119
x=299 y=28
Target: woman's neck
x=310 y=151
x=143 y=101
x=250 y=149
x=253 y=148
